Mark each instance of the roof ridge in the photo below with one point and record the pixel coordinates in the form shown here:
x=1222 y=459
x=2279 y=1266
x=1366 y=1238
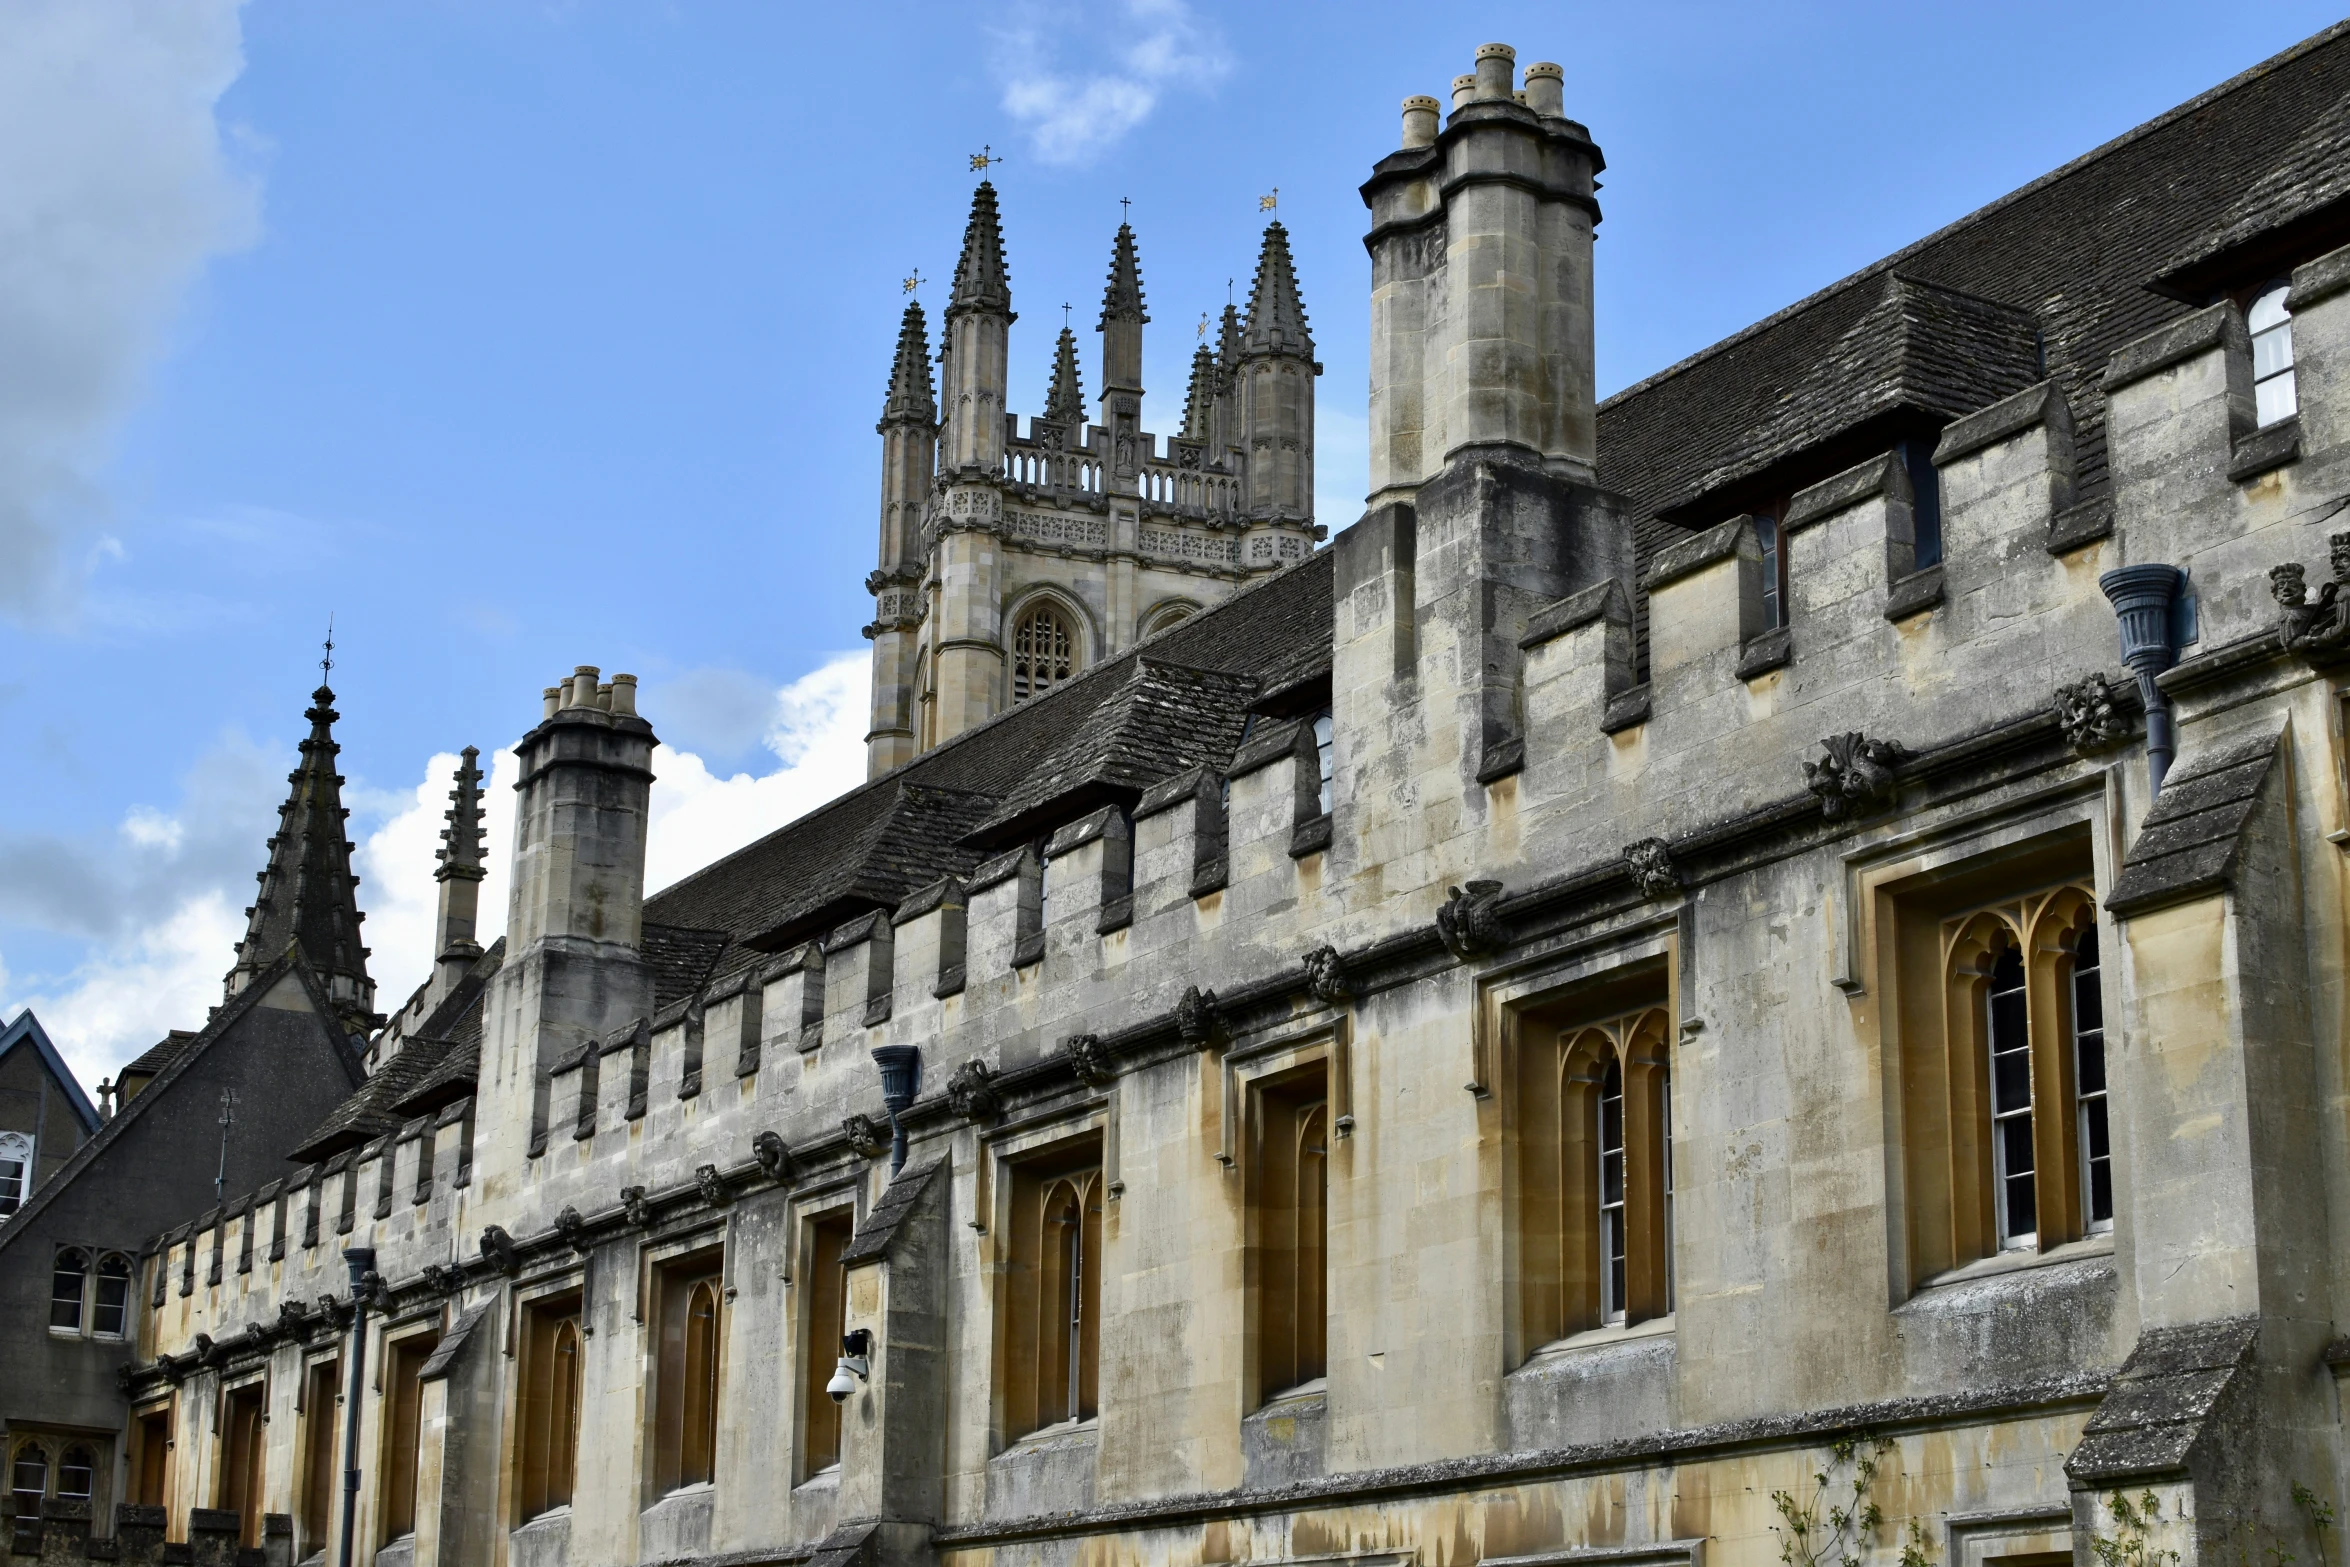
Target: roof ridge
x=1968 y=220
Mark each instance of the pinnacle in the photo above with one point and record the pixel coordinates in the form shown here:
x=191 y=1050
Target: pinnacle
x=982 y=282
x=1228 y=341
x=1122 y=300
x=460 y=853
x=1276 y=315
x=1199 y=401
x=910 y=396
x=1065 y=403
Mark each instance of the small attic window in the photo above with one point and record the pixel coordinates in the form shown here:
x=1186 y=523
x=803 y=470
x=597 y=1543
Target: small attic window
x=2274 y=394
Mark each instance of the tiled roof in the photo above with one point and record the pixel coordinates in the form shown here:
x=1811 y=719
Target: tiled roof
x=2075 y=250
x=2189 y=843
x=160 y=1054
x=2309 y=184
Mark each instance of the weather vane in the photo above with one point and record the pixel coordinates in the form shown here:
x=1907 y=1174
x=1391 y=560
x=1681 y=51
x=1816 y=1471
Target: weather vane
x=1270 y=203
x=1203 y=323
x=913 y=280
x=326 y=665
x=984 y=157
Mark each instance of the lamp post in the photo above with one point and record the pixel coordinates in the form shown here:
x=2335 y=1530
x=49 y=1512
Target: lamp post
x=361 y=1261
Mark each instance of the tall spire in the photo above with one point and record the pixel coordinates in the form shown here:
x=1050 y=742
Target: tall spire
x=910 y=397
x=308 y=896
x=1199 y=403
x=1276 y=316
x=1065 y=403
x=460 y=873
x=982 y=282
x=1122 y=321
x=1122 y=300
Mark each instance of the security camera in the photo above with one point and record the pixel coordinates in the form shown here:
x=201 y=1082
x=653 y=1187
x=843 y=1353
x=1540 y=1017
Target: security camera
x=853 y=1366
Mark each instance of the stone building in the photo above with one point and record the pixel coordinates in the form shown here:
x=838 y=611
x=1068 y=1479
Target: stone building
x=1787 y=923
x=206 y=1113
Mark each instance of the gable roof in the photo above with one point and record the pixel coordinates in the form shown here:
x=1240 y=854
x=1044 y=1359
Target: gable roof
x=217 y=1027
x=26 y=1031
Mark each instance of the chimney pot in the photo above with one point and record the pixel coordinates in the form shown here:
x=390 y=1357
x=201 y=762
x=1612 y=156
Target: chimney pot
x=1463 y=89
x=1546 y=89
x=624 y=696
x=1419 y=121
x=553 y=696
x=583 y=686
x=1496 y=66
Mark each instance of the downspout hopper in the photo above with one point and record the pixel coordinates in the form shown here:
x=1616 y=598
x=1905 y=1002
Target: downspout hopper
x=901 y=1072
x=2142 y=598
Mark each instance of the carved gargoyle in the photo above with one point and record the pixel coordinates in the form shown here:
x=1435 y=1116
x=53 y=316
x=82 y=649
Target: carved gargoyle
x=867 y=1137
x=1470 y=923
x=1089 y=1059
x=971 y=1092
x=573 y=1229
x=293 y=1319
x=1195 y=1016
x=2084 y=711
x=375 y=1290
x=335 y=1310
x=634 y=1204
x=774 y=1159
x=2321 y=629
x=1856 y=773
x=207 y=1352
x=442 y=1279
x=712 y=1186
x=1326 y=976
x=497 y=1249
x=1651 y=863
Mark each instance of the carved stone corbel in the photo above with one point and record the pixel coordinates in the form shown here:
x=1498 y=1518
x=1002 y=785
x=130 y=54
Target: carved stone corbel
x=971 y=1092
x=1854 y=774
x=867 y=1137
x=2085 y=712
x=1195 y=1016
x=635 y=1205
x=2321 y=630
x=712 y=1186
x=1326 y=976
x=774 y=1160
x=497 y=1249
x=1089 y=1059
x=1651 y=863
x=573 y=1229
x=1470 y=923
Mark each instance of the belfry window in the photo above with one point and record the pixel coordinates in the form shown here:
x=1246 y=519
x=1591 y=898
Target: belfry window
x=2274 y=394
x=1044 y=651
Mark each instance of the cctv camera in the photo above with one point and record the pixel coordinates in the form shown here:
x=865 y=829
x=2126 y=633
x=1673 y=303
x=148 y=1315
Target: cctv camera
x=842 y=1384
x=853 y=1367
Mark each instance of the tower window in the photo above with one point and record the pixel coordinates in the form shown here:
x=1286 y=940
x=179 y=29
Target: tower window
x=1044 y=652
x=2274 y=394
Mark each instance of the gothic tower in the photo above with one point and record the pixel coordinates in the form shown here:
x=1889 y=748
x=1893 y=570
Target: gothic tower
x=1010 y=561
x=308 y=897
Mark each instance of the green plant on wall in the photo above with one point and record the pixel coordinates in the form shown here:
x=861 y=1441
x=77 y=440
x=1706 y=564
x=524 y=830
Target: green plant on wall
x=1835 y=1521
x=2128 y=1545
x=2320 y=1516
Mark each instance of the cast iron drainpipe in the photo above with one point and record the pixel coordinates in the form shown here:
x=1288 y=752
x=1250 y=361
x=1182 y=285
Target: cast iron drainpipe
x=361 y=1261
x=2142 y=598
x=901 y=1075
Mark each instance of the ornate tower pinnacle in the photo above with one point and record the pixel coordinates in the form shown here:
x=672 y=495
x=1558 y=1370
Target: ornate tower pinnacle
x=1123 y=318
x=910 y=398
x=909 y=458
x=1277 y=371
x=978 y=328
x=1199 y=400
x=1276 y=316
x=460 y=874
x=308 y=896
x=982 y=281
x=1065 y=403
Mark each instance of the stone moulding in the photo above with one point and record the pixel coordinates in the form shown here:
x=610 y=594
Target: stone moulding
x=2218 y=326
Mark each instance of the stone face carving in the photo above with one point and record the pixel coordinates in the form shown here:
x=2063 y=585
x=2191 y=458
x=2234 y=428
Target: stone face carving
x=1195 y=1016
x=573 y=1229
x=971 y=1092
x=1326 y=976
x=2321 y=629
x=2084 y=711
x=292 y=1320
x=1651 y=863
x=207 y=1352
x=1470 y=922
x=773 y=1158
x=1089 y=1059
x=712 y=1186
x=867 y=1137
x=1855 y=773
x=497 y=1249
x=441 y=1279
x=634 y=1204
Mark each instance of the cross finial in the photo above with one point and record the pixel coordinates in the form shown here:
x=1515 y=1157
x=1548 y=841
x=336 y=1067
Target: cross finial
x=1064 y=316
x=984 y=158
x=1124 y=202
x=913 y=281
x=1270 y=203
x=326 y=665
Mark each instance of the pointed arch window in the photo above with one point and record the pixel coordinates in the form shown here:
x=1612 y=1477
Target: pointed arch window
x=685 y=1407
x=77 y=1474
x=243 y=1431
x=1052 y=1291
x=550 y=1407
x=69 y=1286
x=28 y=1478
x=1290 y=1169
x=1044 y=651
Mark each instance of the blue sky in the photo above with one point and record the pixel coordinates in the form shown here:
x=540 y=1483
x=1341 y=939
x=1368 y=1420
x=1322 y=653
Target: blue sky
x=519 y=335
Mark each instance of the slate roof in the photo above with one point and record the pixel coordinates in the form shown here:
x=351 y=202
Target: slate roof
x=437 y=1065
x=2075 y=250
x=2188 y=845
x=160 y=1054
x=2308 y=188
x=26 y=1030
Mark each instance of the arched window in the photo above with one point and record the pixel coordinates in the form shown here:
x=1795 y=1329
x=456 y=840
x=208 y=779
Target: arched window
x=67 y=1287
x=1168 y=616
x=2088 y=1028
x=1044 y=651
x=698 y=1454
x=2274 y=394
x=28 y=1478
x=550 y=1409
x=1052 y=1290
x=1291 y=1181
x=114 y=1296
x=16 y=1171
x=2007 y=1038
x=77 y=1474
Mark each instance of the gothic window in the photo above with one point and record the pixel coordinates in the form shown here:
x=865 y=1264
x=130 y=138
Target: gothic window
x=685 y=1406
x=316 y=1504
x=112 y=1318
x=1290 y=1207
x=1044 y=651
x=1052 y=1291
x=2274 y=393
x=68 y=1285
x=242 y=1432
x=549 y=1417
x=28 y=1478
x=1166 y=617
x=824 y=1292
x=403 y=1434
x=77 y=1474
x=16 y=1171
x=1595 y=1180
x=2004 y=1092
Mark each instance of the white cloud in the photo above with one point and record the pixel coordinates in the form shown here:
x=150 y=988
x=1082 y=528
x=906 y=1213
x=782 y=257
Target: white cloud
x=396 y=863
x=1134 y=52
x=127 y=994
x=113 y=192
